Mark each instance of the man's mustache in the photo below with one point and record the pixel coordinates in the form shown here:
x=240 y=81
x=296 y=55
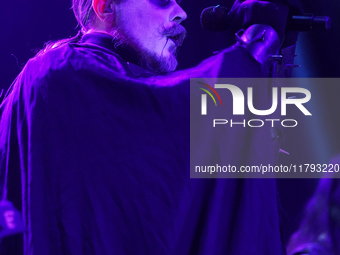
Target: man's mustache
x=177 y=33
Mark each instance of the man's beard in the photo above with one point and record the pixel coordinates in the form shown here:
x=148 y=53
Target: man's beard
x=149 y=60
x=158 y=64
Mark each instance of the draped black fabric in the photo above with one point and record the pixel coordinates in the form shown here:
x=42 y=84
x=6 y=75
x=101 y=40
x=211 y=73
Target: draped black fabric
x=103 y=152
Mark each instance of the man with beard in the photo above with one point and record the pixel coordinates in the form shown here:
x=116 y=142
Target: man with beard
x=98 y=130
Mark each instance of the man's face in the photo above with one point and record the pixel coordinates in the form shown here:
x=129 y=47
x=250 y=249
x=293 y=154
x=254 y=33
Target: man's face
x=152 y=28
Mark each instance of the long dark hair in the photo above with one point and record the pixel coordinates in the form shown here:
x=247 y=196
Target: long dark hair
x=85 y=15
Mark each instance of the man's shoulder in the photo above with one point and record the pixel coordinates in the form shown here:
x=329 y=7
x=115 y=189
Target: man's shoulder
x=59 y=58
x=77 y=56
x=71 y=60
x=50 y=61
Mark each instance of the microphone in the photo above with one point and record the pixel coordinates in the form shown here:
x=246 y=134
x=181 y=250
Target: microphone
x=215 y=18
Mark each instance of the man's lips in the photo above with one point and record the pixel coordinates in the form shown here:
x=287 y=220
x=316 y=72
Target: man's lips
x=176 y=34
x=175 y=40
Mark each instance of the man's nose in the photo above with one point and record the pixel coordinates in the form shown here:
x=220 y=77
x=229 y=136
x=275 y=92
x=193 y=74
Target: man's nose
x=178 y=14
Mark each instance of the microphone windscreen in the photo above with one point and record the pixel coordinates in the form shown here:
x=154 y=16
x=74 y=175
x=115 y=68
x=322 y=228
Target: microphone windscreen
x=215 y=18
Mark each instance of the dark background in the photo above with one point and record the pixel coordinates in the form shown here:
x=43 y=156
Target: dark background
x=26 y=25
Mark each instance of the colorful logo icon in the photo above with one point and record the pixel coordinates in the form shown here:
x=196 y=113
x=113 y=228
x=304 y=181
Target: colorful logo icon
x=213 y=90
